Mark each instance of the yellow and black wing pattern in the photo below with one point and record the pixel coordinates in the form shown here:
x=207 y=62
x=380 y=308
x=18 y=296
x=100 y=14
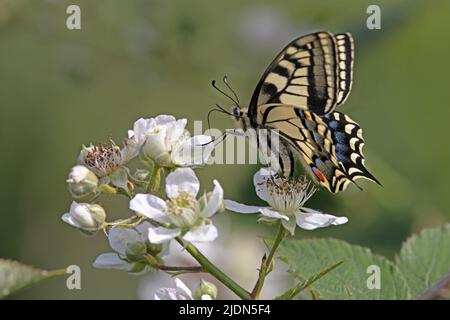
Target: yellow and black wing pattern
x=297 y=96
x=330 y=146
x=313 y=72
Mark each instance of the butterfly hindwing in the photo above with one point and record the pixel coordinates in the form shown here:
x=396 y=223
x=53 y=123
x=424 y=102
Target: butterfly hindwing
x=348 y=143
x=330 y=147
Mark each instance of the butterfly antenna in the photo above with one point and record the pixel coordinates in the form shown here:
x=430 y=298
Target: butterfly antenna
x=213 y=83
x=225 y=80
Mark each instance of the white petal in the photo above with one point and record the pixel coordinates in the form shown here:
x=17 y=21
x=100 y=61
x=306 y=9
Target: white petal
x=150 y=206
x=260 y=183
x=111 y=261
x=67 y=218
x=311 y=219
x=214 y=201
x=205 y=233
x=160 y=234
x=240 y=208
x=164 y=119
x=206 y=297
x=175 y=131
x=273 y=214
x=182 y=180
x=170 y=294
x=142 y=229
x=119 y=239
x=155 y=146
x=183 y=288
x=194 y=151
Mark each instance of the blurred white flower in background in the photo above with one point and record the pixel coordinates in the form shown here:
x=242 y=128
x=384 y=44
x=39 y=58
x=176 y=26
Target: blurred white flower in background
x=205 y=291
x=85 y=216
x=183 y=213
x=165 y=141
x=286 y=197
x=263 y=28
x=130 y=246
x=246 y=251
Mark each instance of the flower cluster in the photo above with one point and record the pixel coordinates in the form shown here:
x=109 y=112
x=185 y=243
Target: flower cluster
x=165 y=202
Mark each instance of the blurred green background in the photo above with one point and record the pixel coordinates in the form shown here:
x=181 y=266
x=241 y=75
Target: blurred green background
x=60 y=89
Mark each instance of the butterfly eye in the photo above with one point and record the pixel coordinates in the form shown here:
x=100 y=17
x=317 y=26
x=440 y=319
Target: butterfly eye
x=236 y=111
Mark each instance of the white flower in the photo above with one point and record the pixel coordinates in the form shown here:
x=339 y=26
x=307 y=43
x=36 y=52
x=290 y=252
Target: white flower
x=182 y=213
x=182 y=292
x=165 y=141
x=286 y=197
x=85 y=216
x=130 y=245
x=81 y=181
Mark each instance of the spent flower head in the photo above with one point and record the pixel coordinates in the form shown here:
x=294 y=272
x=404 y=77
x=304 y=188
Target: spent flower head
x=102 y=158
x=286 y=198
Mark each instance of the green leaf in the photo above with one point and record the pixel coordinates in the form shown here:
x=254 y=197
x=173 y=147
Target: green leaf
x=292 y=292
x=15 y=276
x=425 y=259
x=350 y=280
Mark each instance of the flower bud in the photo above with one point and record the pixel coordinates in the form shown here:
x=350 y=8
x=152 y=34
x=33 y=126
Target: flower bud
x=136 y=251
x=154 y=249
x=81 y=181
x=85 y=216
x=155 y=148
x=205 y=288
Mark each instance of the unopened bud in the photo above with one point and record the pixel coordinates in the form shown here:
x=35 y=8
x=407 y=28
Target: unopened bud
x=81 y=181
x=205 y=288
x=85 y=216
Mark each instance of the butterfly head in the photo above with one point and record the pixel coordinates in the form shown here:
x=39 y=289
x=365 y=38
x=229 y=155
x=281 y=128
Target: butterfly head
x=240 y=116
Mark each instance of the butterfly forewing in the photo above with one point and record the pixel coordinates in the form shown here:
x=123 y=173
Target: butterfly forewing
x=345 y=56
x=307 y=74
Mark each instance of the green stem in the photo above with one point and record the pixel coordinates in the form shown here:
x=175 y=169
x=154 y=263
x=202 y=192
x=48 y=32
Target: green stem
x=214 y=271
x=266 y=264
x=155 y=179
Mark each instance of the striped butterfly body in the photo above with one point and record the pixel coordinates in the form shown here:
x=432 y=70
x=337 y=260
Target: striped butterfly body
x=296 y=97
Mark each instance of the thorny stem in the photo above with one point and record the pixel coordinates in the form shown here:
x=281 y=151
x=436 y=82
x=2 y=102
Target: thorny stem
x=214 y=271
x=266 y=264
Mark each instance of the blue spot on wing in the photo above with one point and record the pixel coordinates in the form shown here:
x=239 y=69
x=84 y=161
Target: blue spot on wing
x=333 y=124
x=340 y=137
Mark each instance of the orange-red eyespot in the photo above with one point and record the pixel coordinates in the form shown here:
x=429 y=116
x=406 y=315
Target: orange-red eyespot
x=319 y=174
